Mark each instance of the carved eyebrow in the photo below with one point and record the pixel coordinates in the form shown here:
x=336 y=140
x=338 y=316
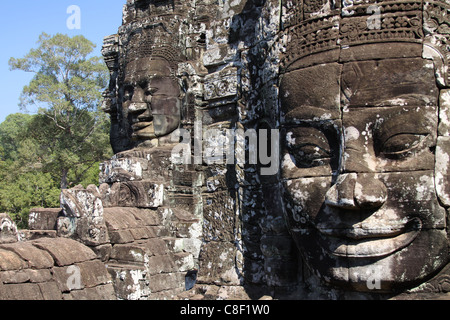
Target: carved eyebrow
x=407 y=100
x=310 y=113
x=155 y=76
x=404 y=123
x=307 y=136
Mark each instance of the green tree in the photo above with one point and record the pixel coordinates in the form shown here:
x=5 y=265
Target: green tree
x=70 y=132
x=23 y=185
x=22 y=192
x=12 y=134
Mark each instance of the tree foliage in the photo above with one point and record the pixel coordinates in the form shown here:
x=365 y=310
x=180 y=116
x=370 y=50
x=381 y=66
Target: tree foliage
x=70 y=129
x=23 y=183
x=63 y=143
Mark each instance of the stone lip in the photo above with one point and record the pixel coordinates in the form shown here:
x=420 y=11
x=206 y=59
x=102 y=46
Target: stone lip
x=376 y=242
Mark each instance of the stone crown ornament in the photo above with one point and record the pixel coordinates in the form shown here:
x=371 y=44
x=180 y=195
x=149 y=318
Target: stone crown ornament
x=145 y=44
x=315 y=26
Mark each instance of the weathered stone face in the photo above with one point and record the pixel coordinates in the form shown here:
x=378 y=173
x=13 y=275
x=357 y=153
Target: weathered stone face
x=362 y=109
x=150 y=98
x=358 y=169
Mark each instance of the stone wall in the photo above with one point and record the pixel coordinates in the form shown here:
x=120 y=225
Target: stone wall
x=207 y=228
x=51 y=269
x=228 y=83
x=234 y=53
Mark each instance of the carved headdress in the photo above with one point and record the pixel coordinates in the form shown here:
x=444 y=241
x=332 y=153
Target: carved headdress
x=157 y=40
x=314 y=26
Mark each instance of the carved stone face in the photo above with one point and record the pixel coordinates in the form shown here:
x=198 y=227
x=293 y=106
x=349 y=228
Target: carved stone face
x=358 y=170
x=150 y=99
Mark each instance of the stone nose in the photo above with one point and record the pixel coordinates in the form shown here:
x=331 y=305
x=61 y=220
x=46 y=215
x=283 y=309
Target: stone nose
x=354 y=191
x=138 y=103
x=140 y=107
x=138 y=95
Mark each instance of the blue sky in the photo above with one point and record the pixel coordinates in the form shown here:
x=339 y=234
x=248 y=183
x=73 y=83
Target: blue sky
x=22 y=22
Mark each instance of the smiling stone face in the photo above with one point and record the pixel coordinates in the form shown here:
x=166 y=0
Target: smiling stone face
x=150 y=99
x=358 y=169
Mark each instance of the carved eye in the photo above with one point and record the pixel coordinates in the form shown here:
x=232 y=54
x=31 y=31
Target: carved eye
x=310 y=155
x=128 y=93
x=150 y=91
x=401 y=145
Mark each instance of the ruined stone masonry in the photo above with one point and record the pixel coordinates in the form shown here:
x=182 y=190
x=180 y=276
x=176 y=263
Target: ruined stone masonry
x=358 y=93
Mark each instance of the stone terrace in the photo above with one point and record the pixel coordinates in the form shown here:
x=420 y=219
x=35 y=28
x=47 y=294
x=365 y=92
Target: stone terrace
x=52 y=269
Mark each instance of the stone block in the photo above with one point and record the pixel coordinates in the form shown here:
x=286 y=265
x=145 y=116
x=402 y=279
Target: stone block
x=185 y=175
x=139 y=233
x=20 y=276
x=29 y=235
x=218 y=55
x=121 y=236
x=184 y=224
x=93 y=273
x=273 y=246
x=157 y=231
x=25 y=275
x=92 y=231
x=79 y=202
x=103 y=251
x=50 y=291
x=134 y=165
x=167 y=281
x=119 y=218
x=376 y=50
x=141 y=194
x=65 y=251
x=222 y=84
x=176 y=262
x=190 y=245
x=159 y=164
x=122 y=169
x=298 y=99
x=39 y=276
x=444 y=113
x=43 y=218
x=442 y=170
x=22 y=291
x=130 y=282
x=68 y=278
x=146 y=217
x=35 y=258
x=102 y=292
x=219 y=177
x=411 y=78
x=66 y=227
x=280 y=272
x=217 y=264
x=139 y=252
x=11 y=261
x=8 y=229
x=83 y=210
x=219 y=213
